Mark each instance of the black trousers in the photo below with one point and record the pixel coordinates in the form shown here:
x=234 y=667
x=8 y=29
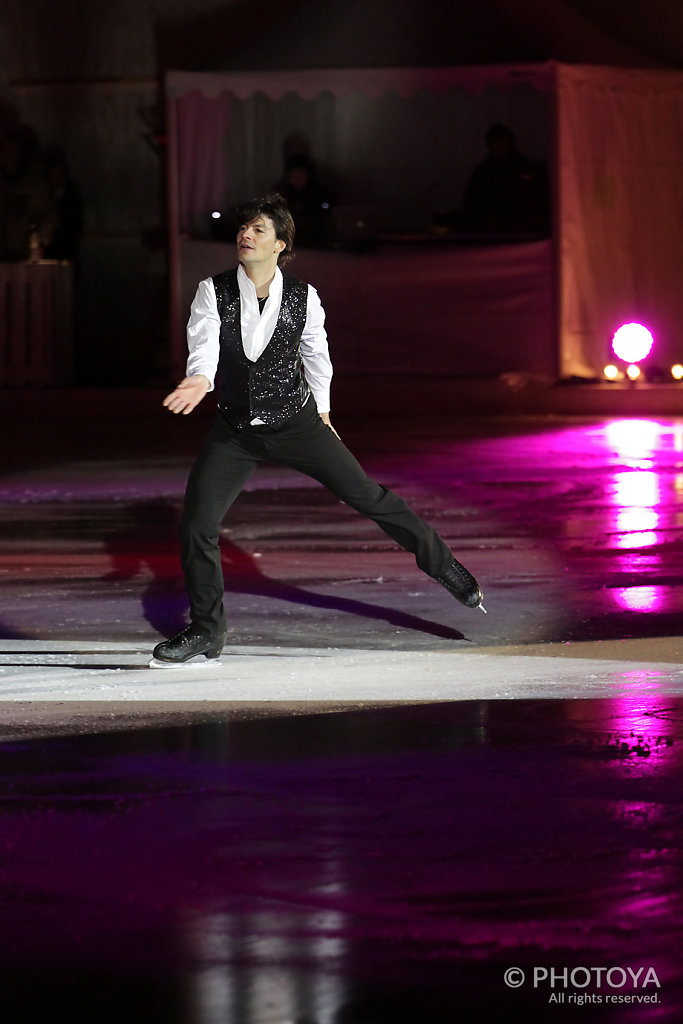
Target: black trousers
x=305 y=443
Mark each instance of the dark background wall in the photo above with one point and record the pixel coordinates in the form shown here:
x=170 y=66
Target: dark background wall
x=88 y=76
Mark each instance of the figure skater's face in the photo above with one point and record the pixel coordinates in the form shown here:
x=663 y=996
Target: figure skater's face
x=257 y=242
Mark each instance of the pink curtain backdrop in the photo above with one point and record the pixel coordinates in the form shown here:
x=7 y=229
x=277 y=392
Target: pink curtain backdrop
x=203 y=124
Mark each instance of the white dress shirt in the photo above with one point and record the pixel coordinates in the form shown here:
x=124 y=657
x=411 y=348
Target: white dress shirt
x=203 y=333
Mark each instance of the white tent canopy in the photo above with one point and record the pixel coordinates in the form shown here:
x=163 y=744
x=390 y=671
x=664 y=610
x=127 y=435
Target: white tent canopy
x=620 y=220
x=405 y=140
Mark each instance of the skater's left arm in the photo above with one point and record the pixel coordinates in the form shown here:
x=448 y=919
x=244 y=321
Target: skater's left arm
x=315 y=356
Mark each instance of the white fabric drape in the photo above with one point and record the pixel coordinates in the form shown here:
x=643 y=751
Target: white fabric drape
x=621 y=211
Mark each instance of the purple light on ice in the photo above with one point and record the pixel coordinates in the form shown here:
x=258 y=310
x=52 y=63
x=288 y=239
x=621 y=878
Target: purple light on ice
x=637 y=495
x=636 y=527
x=636 y=488
x=639 y=599
x=634 y=439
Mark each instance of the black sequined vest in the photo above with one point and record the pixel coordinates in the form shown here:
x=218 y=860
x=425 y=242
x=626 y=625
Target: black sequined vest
x=273 y=389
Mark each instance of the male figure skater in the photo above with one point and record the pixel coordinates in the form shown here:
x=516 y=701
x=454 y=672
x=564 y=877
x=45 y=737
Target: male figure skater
x=260 y=334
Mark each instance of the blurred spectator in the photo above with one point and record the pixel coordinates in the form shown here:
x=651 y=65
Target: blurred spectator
x=66 y=196
x=310 y=202
x=507 y=192
x=26 y=209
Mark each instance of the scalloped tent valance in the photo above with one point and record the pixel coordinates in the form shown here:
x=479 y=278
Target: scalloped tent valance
x=371 y=82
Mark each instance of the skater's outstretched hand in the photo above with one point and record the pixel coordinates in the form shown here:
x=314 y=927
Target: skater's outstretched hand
x=187 y=395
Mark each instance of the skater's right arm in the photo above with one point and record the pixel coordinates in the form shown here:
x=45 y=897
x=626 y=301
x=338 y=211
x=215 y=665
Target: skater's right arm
x=188 y=394
x=203 y=341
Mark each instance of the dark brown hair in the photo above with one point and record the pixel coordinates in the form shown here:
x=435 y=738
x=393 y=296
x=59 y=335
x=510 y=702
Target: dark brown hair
x=274 y=206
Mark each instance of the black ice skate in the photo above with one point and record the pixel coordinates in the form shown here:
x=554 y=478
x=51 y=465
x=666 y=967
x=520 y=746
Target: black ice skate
x=459 y=582
x=191 y=643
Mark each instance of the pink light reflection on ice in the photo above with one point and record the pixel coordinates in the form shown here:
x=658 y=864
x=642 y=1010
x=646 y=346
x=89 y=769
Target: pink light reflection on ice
x=634 y=439
x=637 y=520
x=639 y=599
x=637 y=495
x=637 y=488
x=642 y=735
x=636 y=491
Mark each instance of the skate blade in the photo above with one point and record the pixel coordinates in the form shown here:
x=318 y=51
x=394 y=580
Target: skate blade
x=199 y=662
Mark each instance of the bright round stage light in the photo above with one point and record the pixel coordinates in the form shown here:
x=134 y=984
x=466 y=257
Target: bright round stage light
x=677 y=371
x=633 y=372
x=632 y=342
x=611 y=371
